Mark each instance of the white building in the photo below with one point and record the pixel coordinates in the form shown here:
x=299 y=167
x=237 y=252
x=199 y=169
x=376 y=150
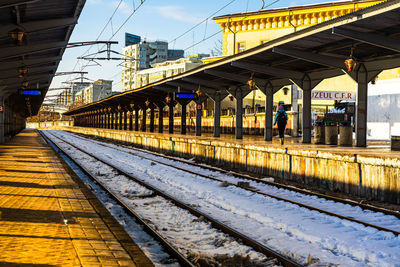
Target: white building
x=96 y=91
x=143 y=56
x=163 y=70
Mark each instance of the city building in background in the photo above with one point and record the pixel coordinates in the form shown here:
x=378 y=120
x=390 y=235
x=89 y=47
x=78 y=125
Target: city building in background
x=144 y=55
x=131 y=39
x=78 y=99
x=96 y=91
x=84 y=93
x=165 y=69
x=174 y=54
x=67 y=96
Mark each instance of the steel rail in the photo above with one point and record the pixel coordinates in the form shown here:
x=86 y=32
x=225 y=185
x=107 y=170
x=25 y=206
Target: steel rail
x=279 y=185
x=261 y=193
x=248 y=177
x=152 y=232
x=285 y=261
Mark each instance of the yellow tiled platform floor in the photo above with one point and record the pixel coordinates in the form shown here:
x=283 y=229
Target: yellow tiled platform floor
x=48 y=218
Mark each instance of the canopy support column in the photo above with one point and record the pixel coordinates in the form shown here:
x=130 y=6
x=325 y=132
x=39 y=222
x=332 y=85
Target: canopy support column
x=183 y=103
x=363 y=76
x=152 y=118
x=130 y=120
x=125 y=119
x=160 y=106
x=121 y=115
x=306 y=123
x=171 y=117
x=217 y=98
x=269 y=113
x=143 y=128
x=137 y=119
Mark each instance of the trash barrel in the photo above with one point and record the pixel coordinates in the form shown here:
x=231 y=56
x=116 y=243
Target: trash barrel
x=331 y=133
x=346 y=134
x=395 y=142
x=319 y=133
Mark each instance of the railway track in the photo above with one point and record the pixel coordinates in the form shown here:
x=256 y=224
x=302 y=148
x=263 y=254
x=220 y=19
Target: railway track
x=282 y=259
x=241 y=185
x=255 y=179
x=149 y=229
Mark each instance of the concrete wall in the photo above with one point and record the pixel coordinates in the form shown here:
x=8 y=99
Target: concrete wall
x=370 y=176
x=47 y=124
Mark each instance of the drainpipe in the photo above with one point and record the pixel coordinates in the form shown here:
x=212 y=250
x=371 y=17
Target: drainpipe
x=290 y=21
x=234 y=38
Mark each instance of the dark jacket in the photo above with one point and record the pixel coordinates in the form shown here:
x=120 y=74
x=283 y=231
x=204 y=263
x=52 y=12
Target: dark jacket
x=277 y=115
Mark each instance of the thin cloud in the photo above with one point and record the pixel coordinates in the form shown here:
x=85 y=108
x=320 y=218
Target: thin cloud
x=176 y=13
x=124 y=7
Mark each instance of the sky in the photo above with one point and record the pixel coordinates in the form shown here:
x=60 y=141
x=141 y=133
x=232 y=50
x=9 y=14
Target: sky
x=152 y=20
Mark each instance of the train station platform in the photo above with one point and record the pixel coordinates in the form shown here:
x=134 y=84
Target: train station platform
x=49 y=218
x=369 y=173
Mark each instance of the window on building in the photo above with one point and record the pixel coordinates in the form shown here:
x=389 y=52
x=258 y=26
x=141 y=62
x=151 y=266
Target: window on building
x=241 y=46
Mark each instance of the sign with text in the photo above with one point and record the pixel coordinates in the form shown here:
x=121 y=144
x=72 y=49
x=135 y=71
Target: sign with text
x=199 y=106
x=333 y=95
x=30 y=92
x=185 y=96
x=1 y=108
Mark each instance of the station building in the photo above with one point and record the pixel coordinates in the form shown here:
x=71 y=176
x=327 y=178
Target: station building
x=243 y=31
x=305 y=61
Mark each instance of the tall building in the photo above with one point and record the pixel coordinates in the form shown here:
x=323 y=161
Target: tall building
x=92 y=92
x=96 y=91
x=67 y=96
x=75 y=88
x=131 y=39
x=142 y=56
x=174 y=54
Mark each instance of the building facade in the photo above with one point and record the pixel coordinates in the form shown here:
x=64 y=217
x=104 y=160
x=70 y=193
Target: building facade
x=96 y=91
x=92 y=92
x=142 y=56
x=163 y=70
x=244 y=31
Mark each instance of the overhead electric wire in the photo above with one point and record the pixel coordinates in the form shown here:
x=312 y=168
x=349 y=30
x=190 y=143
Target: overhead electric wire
x=113 y=33
x=212 y=35
x=204 y=39
x=205 y=20
x=101 y=32
x=122 y=25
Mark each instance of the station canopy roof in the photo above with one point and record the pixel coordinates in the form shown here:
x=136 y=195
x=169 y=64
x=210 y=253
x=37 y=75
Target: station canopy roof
x=33 y=38
x=308 y=55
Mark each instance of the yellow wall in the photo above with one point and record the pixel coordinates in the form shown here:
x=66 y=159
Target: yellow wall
x=255 y=27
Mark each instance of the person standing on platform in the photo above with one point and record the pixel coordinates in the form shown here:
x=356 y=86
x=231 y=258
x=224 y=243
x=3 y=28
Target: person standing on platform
x=281 y=118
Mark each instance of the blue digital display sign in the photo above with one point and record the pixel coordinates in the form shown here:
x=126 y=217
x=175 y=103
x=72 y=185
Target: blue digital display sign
x=131 y=39
x=185 y=96
x=31 y=92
